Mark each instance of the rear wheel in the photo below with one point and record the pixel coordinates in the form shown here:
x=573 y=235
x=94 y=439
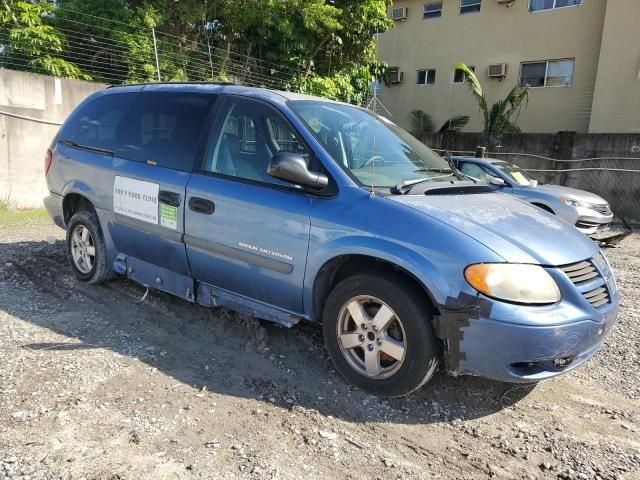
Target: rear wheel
x=86 y=248
x=378 y=334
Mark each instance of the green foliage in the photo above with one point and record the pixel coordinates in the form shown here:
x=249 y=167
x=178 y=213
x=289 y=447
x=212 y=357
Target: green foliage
x=455 y=123
x=32 y=44
x=422 y=123
x=324 y=47
x=9 y=215
x=5 y=203
x=502 y=117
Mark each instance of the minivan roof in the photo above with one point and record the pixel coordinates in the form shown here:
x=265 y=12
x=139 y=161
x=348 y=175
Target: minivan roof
x=217 y=87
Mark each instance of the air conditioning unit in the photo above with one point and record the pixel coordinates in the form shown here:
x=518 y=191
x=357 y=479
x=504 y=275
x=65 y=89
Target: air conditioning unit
x=395 y=75
x=399 y=13
x=498 y=70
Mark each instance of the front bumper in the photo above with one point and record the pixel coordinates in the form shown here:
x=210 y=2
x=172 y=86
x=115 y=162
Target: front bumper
x=53 y=205
x=587 y=220
x=523 y=344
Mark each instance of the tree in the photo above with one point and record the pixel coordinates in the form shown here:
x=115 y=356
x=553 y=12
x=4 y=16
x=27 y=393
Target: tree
x=422 y=122
x=325 y=47
x=503 y=115
x=30 y=43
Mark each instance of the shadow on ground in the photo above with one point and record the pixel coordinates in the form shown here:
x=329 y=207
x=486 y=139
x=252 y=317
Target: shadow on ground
x=217 y=349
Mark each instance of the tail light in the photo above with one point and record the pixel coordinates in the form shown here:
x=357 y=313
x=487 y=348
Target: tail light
x=48 y=158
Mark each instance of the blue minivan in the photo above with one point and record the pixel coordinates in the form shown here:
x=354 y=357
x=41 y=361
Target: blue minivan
x=289 y=207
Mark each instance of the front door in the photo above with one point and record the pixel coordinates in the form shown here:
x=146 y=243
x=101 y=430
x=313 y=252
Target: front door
x=247 y=232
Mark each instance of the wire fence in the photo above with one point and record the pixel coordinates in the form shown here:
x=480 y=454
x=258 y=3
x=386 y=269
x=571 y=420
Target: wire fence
x=130 y=54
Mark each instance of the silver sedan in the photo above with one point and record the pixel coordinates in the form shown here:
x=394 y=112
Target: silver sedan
x=587 y=211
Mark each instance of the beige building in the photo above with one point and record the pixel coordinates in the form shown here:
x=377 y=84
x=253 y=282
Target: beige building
x=581 y=57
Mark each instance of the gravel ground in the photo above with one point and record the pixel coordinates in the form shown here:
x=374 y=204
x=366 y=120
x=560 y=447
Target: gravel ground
x=97 y=384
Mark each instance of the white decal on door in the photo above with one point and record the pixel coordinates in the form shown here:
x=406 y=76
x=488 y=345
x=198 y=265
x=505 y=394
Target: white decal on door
x=136 y=199
x=265 y=251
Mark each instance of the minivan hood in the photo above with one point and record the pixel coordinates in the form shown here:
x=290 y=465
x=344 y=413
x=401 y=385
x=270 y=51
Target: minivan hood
x=515 y=230
x=572 y=193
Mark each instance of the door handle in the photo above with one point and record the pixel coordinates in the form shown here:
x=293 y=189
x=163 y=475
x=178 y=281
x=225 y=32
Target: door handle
x=172 y=199
x=201 y=205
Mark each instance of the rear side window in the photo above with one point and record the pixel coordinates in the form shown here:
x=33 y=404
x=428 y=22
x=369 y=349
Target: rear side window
x=97 y=123
x=158 y=128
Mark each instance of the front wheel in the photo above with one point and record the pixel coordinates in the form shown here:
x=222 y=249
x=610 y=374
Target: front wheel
x=377 y=330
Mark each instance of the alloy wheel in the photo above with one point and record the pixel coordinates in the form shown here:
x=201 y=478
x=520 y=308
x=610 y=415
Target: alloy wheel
x=83 y=249
x=371 y=337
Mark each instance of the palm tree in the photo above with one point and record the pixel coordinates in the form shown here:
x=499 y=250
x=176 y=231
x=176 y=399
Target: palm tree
x=503 y=115
x=422 y=122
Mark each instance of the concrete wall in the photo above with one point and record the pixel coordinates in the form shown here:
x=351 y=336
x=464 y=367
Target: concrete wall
x=23 y=143
x=497 y=34
x=616 y=103
x=615 y=175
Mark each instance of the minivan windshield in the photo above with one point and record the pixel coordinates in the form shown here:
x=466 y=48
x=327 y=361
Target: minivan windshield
x=377 y=152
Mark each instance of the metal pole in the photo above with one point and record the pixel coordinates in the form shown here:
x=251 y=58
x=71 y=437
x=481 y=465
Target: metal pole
x=210 y=60
x=155 y=49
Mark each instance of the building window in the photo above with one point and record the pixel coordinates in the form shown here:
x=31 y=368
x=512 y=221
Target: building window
x=470 y=6
x=426 y=77
x=552 y=73
x=431 y=10
x=459 y=76
x=539 y=5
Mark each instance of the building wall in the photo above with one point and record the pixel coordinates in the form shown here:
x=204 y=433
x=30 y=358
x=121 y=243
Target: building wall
x=23 y=143
x=616 y=104
x=497 y=34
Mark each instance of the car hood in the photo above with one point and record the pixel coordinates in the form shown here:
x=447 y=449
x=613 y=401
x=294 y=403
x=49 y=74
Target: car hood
x=573 y=193
x=515 y=230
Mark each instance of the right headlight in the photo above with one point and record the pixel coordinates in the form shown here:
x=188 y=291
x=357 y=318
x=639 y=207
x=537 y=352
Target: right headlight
x=573 y=203
x=513 y=282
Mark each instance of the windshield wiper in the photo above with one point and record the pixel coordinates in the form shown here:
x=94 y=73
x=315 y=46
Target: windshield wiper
x=69 y=143
x=403 y=188
x=455 y=170
x=437 y=170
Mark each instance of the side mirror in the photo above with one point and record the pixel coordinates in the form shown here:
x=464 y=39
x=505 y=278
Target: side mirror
x=292 y=167
x=498 y=182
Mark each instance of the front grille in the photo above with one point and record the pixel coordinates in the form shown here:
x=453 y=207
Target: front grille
x=581 y=272
x=585 y=275
x=602 y=209
x=583 y=224
x=597 y=297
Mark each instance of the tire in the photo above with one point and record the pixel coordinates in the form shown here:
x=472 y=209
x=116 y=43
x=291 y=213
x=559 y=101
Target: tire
x=410 y=326
x=87 y=255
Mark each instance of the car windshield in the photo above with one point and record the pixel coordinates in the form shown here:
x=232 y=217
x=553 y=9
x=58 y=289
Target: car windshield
x=377 y=152
x=520 y=176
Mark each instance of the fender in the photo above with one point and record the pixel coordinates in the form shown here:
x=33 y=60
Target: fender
x=81 y=188
x=433 y=280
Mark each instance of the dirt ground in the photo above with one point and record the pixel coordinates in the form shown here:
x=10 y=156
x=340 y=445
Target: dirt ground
x=97 y=383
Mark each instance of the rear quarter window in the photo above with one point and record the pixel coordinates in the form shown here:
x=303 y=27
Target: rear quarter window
x=158 y=128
